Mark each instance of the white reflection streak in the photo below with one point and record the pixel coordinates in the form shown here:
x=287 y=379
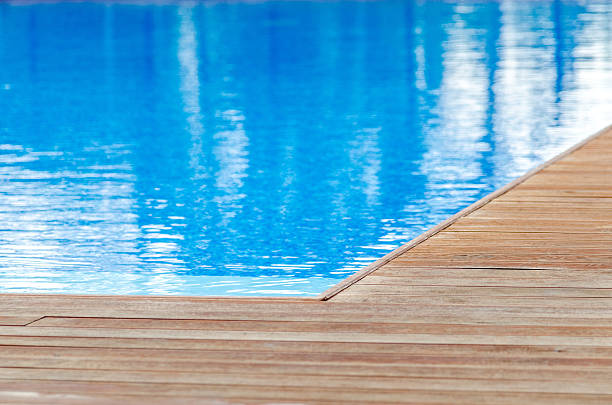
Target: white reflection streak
x=454 y=148
x=231 y=154
x=526 y=83
x=366 y=150
x=591 y=96
x=190 y=85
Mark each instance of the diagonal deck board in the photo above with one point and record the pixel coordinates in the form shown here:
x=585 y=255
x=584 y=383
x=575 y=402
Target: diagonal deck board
x=508 y=302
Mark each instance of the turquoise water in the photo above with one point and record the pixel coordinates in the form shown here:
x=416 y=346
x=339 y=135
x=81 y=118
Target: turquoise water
x=271 y=148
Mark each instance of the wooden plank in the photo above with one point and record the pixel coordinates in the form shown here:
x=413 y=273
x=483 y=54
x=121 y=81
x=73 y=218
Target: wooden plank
x=18 y=320
x=542 y=238
x=398 y=298
x=489 y=369
x=477 y=288
x=536 y=214
x=316 y=327
x=187 y=392
x=319 y=336
x=527 y=225
x=336 y=353
x=578 y=386
x=509 y=257
x=344 y=311
x=419 y=283
x=259 y=350
x=457 y=297
x=529 y=246
x=525 y=264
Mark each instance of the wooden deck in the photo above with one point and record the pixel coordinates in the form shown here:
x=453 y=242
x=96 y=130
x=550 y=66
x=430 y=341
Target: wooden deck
x=508 y=302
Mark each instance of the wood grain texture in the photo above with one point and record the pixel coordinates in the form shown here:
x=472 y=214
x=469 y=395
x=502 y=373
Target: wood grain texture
x=17 y=320
x=509 y=301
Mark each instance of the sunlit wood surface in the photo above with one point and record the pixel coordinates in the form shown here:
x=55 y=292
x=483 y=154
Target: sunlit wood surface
x=511 y=304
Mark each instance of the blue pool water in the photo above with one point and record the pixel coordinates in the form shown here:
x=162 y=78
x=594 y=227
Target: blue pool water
x=271 y=148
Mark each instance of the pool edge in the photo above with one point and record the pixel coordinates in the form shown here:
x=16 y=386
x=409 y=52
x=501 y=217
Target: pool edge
x=370 y=268
x=354 y=278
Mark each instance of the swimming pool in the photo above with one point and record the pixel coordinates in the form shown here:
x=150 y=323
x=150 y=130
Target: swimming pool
x=271 y=148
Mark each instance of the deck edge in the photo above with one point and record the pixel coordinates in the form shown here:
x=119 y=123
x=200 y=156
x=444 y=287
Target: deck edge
x=349 y=281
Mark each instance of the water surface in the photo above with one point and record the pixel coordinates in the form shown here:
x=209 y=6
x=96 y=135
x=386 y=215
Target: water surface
x=271 y=148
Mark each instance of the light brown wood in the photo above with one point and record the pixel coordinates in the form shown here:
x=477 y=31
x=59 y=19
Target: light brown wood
x=509 y=301
x=17 y=320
